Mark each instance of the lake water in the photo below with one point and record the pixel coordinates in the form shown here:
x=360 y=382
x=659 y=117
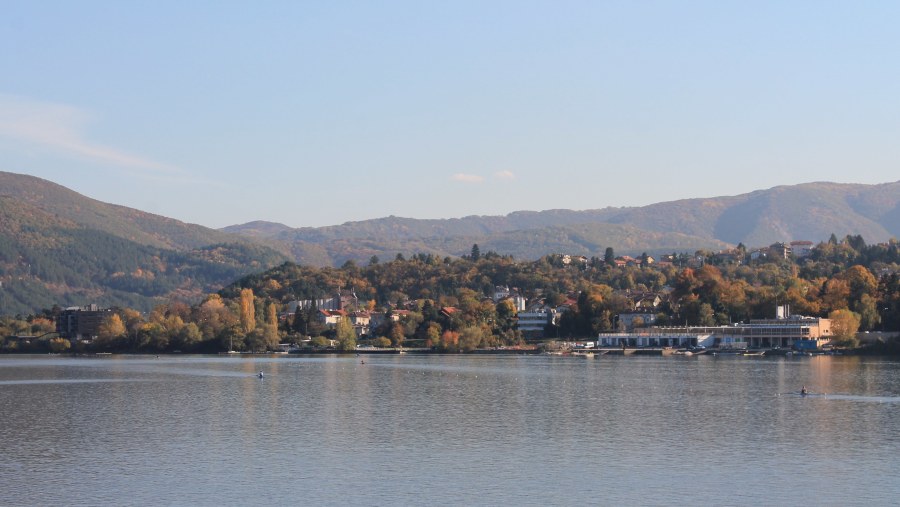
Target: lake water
x=448 y=430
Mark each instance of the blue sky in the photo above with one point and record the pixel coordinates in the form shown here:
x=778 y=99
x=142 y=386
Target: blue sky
x=317 y=113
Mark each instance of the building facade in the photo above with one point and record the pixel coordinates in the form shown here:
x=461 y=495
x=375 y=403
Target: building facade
x=788 y=332
x=81 y=323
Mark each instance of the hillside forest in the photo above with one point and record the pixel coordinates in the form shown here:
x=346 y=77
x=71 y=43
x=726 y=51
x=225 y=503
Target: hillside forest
x=445 y=302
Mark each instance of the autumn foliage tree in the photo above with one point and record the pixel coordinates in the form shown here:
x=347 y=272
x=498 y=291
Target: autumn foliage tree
x=111 y=329
x=844 y=326
x=248 y=311
x=345 y=335
x=449 y=341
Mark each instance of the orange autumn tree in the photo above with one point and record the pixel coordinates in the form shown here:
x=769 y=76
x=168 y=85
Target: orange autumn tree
x=248 y=311
x=449 y=340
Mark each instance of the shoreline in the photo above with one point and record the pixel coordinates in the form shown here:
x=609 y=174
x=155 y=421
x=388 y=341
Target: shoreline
x=606 y=351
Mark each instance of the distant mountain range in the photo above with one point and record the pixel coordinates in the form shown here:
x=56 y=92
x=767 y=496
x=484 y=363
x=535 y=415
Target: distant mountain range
x=60 y=247
x=811 y=211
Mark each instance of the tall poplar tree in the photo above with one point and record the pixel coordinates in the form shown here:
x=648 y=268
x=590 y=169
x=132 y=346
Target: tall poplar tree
x=271 y=328
x=248 y=311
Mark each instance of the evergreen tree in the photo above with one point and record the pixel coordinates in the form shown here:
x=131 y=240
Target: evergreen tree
x=609 y=256
x=476 y=253
x=300 y=323
x=856 y=242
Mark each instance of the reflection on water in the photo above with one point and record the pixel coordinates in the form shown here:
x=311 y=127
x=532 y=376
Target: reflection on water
x=448 y=430
x=63 y=381
x=845 y=397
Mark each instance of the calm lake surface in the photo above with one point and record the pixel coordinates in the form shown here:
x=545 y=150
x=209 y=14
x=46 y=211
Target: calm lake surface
x=448 y=430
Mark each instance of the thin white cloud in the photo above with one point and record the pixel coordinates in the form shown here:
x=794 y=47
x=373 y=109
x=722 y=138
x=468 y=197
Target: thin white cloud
x=504 y=175
x=62 y=128
x=467 y=178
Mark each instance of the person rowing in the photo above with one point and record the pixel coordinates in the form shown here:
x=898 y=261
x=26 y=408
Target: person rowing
x=804 y=391
x=260 y=375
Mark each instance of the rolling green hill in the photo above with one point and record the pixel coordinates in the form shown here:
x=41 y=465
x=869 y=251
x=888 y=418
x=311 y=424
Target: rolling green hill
x=60 y=248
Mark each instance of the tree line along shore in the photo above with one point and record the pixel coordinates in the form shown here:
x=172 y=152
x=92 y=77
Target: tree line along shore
x=453 y=304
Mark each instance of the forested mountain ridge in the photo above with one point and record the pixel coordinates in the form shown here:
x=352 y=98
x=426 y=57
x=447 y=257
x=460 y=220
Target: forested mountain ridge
x=59 y=247
x=811 y=211
x=138 y=226
x=586 y=239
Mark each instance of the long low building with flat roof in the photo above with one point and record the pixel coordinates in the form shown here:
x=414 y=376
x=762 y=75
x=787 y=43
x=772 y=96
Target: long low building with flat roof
x=654 y=337
x=758 y=334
